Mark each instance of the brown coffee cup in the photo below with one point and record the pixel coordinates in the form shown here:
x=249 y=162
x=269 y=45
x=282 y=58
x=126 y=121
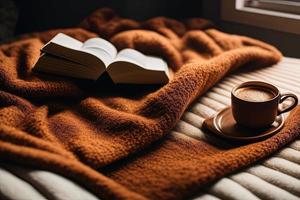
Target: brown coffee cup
x=255 y=104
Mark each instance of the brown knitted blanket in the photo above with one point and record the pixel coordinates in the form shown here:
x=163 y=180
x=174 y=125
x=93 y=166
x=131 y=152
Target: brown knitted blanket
x=114 y=139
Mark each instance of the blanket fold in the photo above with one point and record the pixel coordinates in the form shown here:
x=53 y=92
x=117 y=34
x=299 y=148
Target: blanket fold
x=116 y=140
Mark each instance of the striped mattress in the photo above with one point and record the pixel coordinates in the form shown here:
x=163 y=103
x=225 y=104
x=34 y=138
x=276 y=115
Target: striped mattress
x=277 y=177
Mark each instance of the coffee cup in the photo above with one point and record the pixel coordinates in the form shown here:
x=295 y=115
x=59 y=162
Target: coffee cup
x=256 y=104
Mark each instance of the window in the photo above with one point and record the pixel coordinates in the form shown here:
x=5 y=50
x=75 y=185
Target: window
x=284 y=6
x=282 y=15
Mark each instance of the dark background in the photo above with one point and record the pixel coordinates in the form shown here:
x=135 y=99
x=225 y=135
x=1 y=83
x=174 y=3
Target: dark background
x=39 y=15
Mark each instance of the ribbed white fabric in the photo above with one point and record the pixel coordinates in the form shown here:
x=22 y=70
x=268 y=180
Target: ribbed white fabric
x=277 y=177
x=19 y=183
x=12 y=188
x=51 y=185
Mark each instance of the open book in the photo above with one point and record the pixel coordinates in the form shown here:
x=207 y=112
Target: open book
x=64 y=55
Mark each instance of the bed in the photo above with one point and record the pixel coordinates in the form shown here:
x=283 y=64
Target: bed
x=277 y=177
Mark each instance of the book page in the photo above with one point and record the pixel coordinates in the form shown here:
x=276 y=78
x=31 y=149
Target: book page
x=101 y=48
x=66 y=41
x=146 y=62
x=133 y=67
x=156 y=63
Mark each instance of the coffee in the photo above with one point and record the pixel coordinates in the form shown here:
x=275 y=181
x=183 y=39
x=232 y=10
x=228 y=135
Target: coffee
x=255 y=94
x=255 y=104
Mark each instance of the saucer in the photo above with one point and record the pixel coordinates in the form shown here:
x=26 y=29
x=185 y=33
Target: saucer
x=224 y=125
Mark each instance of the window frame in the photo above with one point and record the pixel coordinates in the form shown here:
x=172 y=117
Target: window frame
x=234 y=11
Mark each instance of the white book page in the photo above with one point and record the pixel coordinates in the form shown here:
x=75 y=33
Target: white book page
x=101 y=48
x=156 y=63
x=66 y=41
x=146 y=62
